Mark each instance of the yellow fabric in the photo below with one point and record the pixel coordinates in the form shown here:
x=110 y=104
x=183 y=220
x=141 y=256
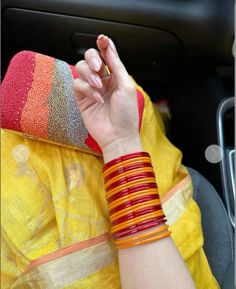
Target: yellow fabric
x=54 y=197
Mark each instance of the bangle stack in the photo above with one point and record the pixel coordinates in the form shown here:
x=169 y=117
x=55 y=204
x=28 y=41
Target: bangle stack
x=133 y=200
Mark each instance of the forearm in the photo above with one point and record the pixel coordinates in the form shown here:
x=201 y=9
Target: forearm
x=154 y=265
x=157 y=264
x=110 y=113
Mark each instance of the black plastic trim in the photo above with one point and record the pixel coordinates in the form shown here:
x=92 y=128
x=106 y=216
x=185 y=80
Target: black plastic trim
x=205 y=27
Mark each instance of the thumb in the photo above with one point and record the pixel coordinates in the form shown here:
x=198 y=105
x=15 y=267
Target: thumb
x=113 y=61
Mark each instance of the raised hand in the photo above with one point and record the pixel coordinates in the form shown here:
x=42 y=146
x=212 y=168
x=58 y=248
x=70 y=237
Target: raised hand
x=107 y=100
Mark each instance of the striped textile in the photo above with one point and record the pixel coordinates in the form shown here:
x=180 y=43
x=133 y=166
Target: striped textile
x=37 y=99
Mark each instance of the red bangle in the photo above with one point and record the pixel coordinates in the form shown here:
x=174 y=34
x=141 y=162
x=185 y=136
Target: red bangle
x=124 y=158
x=137 y=207
x=133 y=202
x=137 y=230
x=128 y=179
x=126 y=169
x=129 y=174
x=141 y=240
x=143 y=236
x=131 y=190
x=131 y=184
x=140 y=227
x=135 y=214
x=137 y=220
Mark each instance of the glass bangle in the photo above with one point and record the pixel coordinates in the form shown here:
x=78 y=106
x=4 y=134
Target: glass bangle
x=144 y=235
x=139 y=227
x=130 y=184
x=128 y=162
x=137 y=211
x=134 y=221
x=136 y=214
x=137 y=201
x=158 y=237
x=128 y=174
x=131 y=190
x=128 y=168
x=125 y=186
x=134 y=207
x=125 y=180
x=126 y=157
x=132 y=200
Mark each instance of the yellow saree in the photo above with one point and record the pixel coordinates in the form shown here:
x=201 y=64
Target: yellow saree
x=55 y=220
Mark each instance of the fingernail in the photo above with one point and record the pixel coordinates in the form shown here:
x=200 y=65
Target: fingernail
x=98 y=97
x=94 y=63
x=100 y=36
x=112 y=45
x=95 y=80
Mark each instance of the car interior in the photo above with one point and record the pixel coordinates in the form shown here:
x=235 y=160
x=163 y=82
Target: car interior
x=180 y=52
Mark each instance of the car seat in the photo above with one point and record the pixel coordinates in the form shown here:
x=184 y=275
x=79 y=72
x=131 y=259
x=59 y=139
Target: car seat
x=217 y=230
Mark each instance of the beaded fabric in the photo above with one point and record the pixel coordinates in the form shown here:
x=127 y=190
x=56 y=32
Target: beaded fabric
x=37 y=99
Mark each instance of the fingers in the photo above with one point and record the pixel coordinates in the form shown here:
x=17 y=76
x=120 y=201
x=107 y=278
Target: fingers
x=87 y=74
x=109 y=52
x=102 y=44
x=93 y=73
x=90 y=81
x=94 y=60
x=83 y=89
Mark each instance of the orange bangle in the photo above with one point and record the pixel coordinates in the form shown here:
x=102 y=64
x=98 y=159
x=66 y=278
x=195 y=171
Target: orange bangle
x=145 y=235
x=158 y=237
x=131 y=197
x=125 y=158
x=130 y=184
x=134 y=221
x=134 y=189
x=127 y=162
x=133 y=208
x=141 y=177
x=128 y=168
x=122 y=164
x=128 y=174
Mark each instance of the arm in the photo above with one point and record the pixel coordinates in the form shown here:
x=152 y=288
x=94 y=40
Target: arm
x=139 y=266
x=109 y=108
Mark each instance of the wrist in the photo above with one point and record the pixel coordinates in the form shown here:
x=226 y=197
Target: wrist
x=121 y=147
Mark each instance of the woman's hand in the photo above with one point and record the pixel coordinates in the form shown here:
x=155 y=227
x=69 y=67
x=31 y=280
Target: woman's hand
x=108 y=102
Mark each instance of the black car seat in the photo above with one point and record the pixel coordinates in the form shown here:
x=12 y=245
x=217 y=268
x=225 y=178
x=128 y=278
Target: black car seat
x=217 y=230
